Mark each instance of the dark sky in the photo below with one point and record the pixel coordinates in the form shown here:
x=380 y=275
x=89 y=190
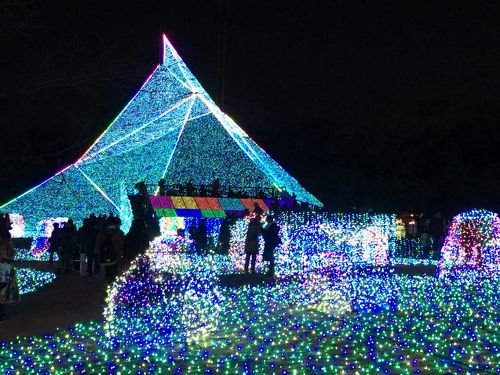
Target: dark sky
x=368 y=104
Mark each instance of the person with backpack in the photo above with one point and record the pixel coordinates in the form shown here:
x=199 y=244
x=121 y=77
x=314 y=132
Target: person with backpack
x=108 y=251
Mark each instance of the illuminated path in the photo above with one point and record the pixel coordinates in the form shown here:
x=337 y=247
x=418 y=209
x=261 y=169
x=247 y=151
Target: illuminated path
x=64 y=302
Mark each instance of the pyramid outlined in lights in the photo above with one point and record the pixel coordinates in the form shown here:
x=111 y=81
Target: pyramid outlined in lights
x=170 y=129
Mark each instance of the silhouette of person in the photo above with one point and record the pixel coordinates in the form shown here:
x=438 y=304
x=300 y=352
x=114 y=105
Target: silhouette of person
x=224 y=236
x=252 y=242
x=215 y=187
x=201 y=236
x=190 y=189
x=54 y=242
x=257 y=209
x=270 y=232
x=162 y=187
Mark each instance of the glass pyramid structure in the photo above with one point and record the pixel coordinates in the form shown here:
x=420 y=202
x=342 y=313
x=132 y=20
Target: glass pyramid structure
x=170 y=129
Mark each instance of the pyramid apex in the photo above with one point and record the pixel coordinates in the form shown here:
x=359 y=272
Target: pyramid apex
x=170 y=55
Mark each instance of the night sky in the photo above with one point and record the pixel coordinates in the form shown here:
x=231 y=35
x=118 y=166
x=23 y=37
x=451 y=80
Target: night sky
x=388 y=106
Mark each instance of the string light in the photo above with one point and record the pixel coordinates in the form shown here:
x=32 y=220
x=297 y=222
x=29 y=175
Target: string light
x=29 y=280
x=441 y=326
x=472 y=244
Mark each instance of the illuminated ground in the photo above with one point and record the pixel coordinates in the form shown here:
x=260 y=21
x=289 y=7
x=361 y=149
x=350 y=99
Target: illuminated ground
x=48 y=303
x=440 y=326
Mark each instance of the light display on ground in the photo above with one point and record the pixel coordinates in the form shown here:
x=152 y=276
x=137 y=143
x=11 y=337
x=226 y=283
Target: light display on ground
x=29 y=280
x=23 y=255
x=170 y=129
x=472 y=243
x=170 y=295
x=414 y=248
x=441 y=326
x=171 y=313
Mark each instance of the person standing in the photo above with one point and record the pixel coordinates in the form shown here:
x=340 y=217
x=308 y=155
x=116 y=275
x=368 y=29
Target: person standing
x=68 y=245
x=54 y=242
x=224 y=236
x=252 y=242
x=202 y=237
x=87 y=237
x=108 y=249
x=9 y=290
x=215 y=187
x=136 y=240
x=270 y=232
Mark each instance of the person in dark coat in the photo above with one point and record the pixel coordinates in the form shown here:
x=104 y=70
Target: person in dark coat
x=224 y=236
x=257 y=210
x=136 y=240
x=68 y=245
x=9 y=290
x=270 y=232
x=54 y=242
x=436 y=230
x=108 y=249
x=201 y=236
x=192 y=236
x=252 y=242
x=87 y=235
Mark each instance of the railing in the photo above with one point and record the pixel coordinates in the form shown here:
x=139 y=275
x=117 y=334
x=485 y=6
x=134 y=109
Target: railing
x=222 y=191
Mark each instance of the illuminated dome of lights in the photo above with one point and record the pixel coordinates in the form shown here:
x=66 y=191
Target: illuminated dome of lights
x=472 y=243
x=170 y=129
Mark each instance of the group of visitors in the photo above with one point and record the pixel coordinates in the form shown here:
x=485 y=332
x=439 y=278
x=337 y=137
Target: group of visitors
x=98 y=243
x=279 y=200
x=189 y=189
x=270 y=232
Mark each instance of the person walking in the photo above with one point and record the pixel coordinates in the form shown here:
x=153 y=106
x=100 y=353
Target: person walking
x=270 y=232
x=252 y=242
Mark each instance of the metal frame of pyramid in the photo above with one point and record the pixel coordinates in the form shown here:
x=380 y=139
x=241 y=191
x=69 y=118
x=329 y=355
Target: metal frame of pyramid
x=170 y=129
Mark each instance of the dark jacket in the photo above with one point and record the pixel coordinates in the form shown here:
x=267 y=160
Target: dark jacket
x=271 y=239
x=117 y=237
x=252 y=238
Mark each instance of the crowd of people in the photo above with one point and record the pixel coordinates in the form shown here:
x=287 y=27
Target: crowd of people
x=281 y=200
x=257 y=227
x=99 y=243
